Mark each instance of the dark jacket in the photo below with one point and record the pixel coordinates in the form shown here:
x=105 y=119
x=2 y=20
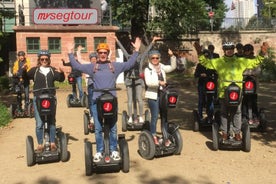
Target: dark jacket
x=201 y=69
x=42 y=81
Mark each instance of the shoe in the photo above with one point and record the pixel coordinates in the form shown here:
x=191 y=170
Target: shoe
x=168 y=143
x=91 y=120
x=91 y=126
x=39 y=148
x=53 y=147
x=224 y=136
x=115 y=155
x=256 y=121
x=155 y=140
x=238 y=137
x=141 y=120
x=97 y=157
x=130 y=121
x=250 y=121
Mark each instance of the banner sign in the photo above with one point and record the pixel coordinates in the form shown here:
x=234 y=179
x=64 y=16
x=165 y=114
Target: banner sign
x=65 y=16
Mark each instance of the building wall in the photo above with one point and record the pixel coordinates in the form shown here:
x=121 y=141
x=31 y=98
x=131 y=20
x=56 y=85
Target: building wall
x=66 y=34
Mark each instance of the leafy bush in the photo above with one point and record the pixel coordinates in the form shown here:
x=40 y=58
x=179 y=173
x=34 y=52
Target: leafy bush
x=5 y=115
x=269 y=68
x=4 y=83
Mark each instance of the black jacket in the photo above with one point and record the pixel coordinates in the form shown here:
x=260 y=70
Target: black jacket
x=42 y=81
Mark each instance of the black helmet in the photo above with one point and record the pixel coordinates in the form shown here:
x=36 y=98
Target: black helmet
x=21 y=53
x=248 y=47
x=93 y=54
x=228 y=45
x=43 y=53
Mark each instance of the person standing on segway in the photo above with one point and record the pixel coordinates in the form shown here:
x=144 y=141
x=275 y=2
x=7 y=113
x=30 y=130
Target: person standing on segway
x=44 y=76
x=155 y=79
x=78 y=75
x=230 y=68
x=21 y=64
x=104 y=75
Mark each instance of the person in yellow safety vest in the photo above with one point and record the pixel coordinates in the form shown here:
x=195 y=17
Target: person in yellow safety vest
x=230 y=68
x=22 y=63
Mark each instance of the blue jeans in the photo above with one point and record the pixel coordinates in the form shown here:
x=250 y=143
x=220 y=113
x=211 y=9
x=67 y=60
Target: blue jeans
x=39 y=125
x=154 y=111
x=90 y=100
x=99 y=131
x=79 y=84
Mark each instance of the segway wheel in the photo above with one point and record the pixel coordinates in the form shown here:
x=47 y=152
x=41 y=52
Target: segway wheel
x=88 y=158
x=196 y=121
x=147 y=115
x=215 y=136
x=68 y=100
x=85 y=123
x=174 y=131
x=146 y=145
x=64 y=156
x=31 y=109
x=12 y=110
x=84 y=100
x=124 y=121
x=263 y=122
x=246 y=139
x=30 y=151
x=125 y=155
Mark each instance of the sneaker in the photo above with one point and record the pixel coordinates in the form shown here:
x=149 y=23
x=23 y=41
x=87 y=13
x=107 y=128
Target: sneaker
x=39 y=148
x=256 y=121
x=168 y=143
x=238 y=137
x=53 y=147
x=250 y=121
x=97 y=157
x=115 y=155
x=224 y=136
x=141 y=120
x=91 y=120
x=130 y=121
x=155 y=140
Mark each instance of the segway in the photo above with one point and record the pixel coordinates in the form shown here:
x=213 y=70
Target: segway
x=210 y=91
x=135 y=125
x=107 y=107
x=147 y=149
x=16 y=110
x=72 y=100
x=233 y=98
x=46 y=104
x=249 y=92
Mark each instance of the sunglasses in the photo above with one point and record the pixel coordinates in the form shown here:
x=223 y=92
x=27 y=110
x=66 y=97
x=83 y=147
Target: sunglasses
x=102 y=52
x=44 y=59
x=155 y=58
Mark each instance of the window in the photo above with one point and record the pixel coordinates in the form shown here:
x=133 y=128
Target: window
x=33 y=44
x=81 y=41
x=54 y=45
x=98 y=40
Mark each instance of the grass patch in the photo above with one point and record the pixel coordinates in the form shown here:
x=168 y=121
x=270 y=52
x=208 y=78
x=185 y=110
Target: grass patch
x=5 y=117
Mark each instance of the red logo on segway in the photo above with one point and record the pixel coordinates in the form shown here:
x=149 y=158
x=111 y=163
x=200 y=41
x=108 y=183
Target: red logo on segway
x=210 y=85
x=71 y=79
x=107 y=107
x=172 y=99
x=249 y=85
x=234 y=96
x=45 y=104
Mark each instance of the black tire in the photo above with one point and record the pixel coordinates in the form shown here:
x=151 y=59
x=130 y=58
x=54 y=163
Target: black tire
x=68 y=99
x=11 y=110
x=215 y=136
x=31 y=109
x=147 y=115
x=30 y=151
x=263 y=122
x=177 y=138
x=246 y=138
x=88 y=158
x=124 y=121
x=64 y=156
x=83 y=100
x=85 y=123
x=125 y=155
x=196 y=121
x=146 y=145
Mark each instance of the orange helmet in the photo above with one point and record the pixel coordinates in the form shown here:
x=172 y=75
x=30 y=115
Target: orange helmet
x=103 y=46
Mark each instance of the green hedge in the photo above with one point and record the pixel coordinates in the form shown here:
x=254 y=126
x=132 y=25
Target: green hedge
x=5 y=117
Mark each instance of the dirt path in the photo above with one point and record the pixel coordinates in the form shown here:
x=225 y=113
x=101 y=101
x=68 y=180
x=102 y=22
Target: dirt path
x=196 y=164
